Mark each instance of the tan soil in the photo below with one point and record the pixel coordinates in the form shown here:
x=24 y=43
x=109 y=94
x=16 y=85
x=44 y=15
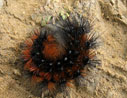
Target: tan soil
x=18 y=18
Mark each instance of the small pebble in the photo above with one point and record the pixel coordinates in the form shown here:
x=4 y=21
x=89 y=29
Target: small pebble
x=1 y=3
x=16 y=72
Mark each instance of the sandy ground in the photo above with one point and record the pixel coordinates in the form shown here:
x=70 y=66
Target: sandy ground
x=18 y=18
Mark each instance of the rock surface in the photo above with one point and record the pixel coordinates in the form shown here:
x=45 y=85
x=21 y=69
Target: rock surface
x=18 y=18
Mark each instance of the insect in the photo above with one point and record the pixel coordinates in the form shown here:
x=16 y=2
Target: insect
x=58 y=54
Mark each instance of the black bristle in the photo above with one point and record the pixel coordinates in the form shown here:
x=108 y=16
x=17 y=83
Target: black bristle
x=85 y=60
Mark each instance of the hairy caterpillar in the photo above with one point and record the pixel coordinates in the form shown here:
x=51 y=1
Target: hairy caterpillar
x=58 y=54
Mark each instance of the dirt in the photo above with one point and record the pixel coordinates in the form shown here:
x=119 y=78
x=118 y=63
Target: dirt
x=18 y=20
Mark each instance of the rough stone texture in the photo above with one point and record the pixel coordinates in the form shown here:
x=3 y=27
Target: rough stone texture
x=19 y=17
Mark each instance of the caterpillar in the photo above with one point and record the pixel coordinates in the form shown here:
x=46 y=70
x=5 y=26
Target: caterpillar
x=58 y=53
